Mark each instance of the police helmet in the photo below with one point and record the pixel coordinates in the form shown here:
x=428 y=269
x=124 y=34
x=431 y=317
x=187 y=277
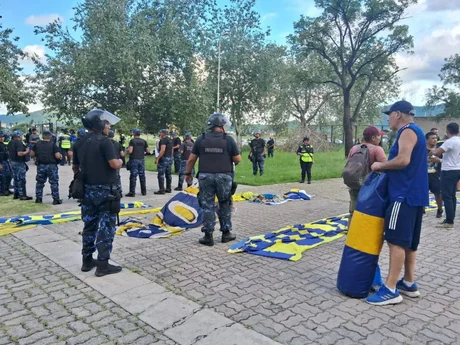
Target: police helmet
x=111 y=134
x=218 y=120
x=81 y=132
x=136 y=131
x=17 y=133
x=96 y=119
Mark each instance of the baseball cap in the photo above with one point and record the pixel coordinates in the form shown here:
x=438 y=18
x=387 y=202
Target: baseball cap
x=164 y=131
x=46 y=133
x=403 y=106
x=372 y=131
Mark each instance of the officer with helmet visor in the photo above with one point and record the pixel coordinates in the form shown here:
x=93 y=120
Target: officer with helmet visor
x=95 y=158
x=217 y=152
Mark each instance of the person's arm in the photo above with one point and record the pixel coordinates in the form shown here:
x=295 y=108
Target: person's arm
x=20 y=150
x=177 y=146
x=190 y=164
x=161 y=153
x=406 y=142
x=298 y=151
x=32 y=151
x=146 y=148
x=130 y=147
x=234 y=152
x=57 y=152
x=75 y=161
x=108 y=151
x=441 y=150
x=265 y=147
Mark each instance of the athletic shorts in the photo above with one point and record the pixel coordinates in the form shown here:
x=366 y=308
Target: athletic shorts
x=403 y=224
x=434 y=183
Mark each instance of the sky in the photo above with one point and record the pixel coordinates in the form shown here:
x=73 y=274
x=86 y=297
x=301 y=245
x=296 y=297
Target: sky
x=435 y=25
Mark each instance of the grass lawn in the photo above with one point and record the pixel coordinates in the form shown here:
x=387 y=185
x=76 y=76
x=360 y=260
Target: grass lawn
x=285 y=167
x=10 y=207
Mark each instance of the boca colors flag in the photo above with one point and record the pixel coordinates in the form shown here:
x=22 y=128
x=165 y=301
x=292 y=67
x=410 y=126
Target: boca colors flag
x=365 y=238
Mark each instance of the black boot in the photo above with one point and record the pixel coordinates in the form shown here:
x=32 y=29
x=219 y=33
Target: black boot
x=88 y=264
x=207 y=239
x=178 y=188
x=57 y=201
x=168 y=187
x=16 y=196
x=38 y=200
x=132 y=190
x=162 y=189
x=227 y=236
x=104 y=268
x=143 y=188
x=25 y=197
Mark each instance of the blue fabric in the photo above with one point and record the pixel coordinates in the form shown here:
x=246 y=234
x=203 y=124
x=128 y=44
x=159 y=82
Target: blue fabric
x=372 y=199
x=411 y=183
x=47 y=172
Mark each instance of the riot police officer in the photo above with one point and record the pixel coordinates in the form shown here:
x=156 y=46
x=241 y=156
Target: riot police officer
x=137 y=149
x=217 y=152
x=17 y=153
x=5 y=170
x=96 y=160
x=164 y=161
x=176 y=152
x=185 y=151
x=47 y=156
x=257 y=153
x=122 y=142
x=305 y=151
x=65 y=145
x=120 y=155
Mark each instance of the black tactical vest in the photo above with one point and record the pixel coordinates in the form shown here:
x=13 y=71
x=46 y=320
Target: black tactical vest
x=44 y=152
x=214 y=155
x=3 y=152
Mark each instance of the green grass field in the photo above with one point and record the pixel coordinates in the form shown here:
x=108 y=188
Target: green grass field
x=283 y=168
x=10 y=207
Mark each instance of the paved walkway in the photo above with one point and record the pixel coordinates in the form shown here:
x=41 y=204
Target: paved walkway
x=174 y=291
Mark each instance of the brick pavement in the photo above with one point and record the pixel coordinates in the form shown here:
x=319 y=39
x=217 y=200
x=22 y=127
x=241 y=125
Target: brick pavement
x=297 y=303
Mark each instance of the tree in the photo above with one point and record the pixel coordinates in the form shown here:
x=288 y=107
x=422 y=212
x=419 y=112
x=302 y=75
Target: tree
x=358 y=40
x=446 y=94
x=247 y=63
x=136 y=58
x=299 y=92
x=13 y=90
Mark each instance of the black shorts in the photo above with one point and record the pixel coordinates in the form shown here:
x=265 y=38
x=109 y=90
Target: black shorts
x=403 y=224
x=434 y=183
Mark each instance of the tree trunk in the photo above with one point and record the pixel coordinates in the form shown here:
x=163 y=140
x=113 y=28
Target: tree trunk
x=347 y=124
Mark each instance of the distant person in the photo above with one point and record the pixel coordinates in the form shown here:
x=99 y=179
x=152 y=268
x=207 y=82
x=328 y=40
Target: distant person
x=185 y=151
x=370 y=142
x=450 y=172
x=176 y=154
x=65 y=145
x=408 y=196
x=17 y=152
x=120 y=153
x=271 y=147
x=164 y=162
x=257 y=154
x=435 y=131
x=434 y=171
x=5 y=171
x=34 y=137
x=137 y=149
x=305 y=151
x=47 y=156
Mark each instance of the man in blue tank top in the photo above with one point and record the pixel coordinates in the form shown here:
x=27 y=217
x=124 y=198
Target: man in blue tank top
x=408 y=194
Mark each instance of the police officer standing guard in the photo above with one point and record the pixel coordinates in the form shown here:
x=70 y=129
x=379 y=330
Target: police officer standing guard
x=271 y=147
x=47 y=156
x=65 y=144
x=176 y=152
x=164 y=162
x=17 y=154
x=185 y=151
x=5 y=171
x=217 y=153
x=95 y=158
x=305 y=151
x=257 y=153
x=137 y=149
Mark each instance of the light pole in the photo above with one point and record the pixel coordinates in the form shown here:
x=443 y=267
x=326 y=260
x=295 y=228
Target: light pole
x=218 y=71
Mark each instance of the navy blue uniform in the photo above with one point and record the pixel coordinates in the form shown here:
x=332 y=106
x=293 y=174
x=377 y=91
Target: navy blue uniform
x=47 y=169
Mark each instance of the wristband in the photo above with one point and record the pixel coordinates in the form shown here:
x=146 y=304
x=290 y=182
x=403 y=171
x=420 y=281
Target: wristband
x=188 y=174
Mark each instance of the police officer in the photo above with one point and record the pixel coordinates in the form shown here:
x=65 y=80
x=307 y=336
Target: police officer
x=185 y=151
x=137 y=149
x=122 y=142
x=217 y=153
x=305 y=151
x=164 y=161
x=5 y=171
x=65 y=145
x=176 y=148
x=96 y=159
x=17 y=153
x=47 y=156
x=257 y=153
x=271 y=147
x=120 y=153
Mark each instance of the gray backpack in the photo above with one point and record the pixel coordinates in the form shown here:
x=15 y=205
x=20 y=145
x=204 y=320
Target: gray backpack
x=357 y=168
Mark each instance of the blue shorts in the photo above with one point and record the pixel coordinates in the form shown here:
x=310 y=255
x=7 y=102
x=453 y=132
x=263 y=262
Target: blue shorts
x=403 y=224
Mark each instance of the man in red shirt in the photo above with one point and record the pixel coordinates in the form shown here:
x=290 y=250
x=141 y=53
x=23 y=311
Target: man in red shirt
x=371 y=138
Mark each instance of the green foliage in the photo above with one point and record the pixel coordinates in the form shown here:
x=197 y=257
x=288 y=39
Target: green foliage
x=448 y=93
x=357 y=40
x=13 y=90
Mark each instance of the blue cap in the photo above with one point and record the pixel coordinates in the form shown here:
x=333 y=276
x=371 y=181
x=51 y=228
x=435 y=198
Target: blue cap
x=164 y=131
x=403 y=106
x=18 y=133
x=137 y=131
x=46 y=133
x=187 y=135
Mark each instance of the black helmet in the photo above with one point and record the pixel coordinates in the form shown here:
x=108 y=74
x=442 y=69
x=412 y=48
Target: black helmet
x=111 y=134
x=96 y=119
x=217 y=120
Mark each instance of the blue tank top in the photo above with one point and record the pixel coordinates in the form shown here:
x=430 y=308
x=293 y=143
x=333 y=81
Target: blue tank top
x=410 y=184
